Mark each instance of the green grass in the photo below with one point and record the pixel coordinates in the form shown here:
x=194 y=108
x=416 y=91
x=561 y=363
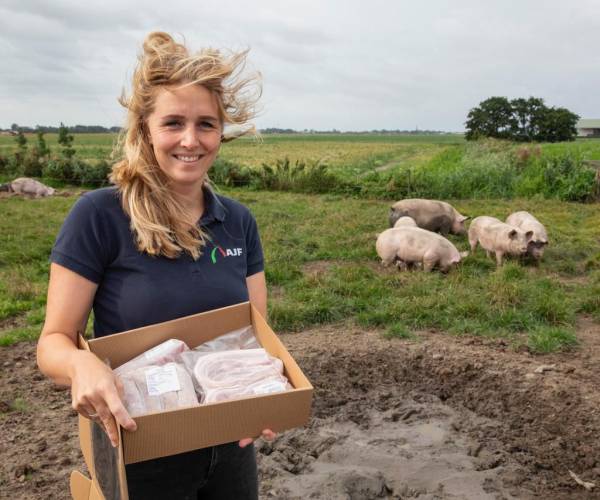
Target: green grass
x=320 y=258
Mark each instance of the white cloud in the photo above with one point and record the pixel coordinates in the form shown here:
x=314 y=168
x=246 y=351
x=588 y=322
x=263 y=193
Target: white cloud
x=343 y=64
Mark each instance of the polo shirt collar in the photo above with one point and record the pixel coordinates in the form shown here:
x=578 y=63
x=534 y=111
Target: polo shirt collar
x=213 y=208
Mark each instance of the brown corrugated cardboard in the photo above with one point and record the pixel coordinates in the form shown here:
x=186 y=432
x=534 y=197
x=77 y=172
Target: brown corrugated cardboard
x=178 y=431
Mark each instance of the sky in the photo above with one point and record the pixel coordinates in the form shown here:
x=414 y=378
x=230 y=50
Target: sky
x=325 y=64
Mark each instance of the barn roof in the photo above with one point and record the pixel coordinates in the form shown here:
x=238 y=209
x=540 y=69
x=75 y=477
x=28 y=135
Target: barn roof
x=586 y=123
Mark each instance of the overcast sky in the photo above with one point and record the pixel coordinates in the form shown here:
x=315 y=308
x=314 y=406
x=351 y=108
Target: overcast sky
x=345 y=64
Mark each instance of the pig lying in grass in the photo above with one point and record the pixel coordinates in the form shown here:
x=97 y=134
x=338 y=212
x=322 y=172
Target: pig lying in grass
x=408 y=245
x=527 y=222
x=498 y=238
x=25 y=185
x=405 y=222
x=433 y=215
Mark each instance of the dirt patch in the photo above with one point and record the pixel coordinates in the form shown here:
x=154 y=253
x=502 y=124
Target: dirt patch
x=435 y=418
x=12 y=322
x=317 y=268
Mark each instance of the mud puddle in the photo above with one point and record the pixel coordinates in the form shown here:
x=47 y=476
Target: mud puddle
x=413 y=450
x=435 y=418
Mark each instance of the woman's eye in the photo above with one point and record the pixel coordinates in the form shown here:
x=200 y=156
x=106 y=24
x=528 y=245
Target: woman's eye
x=172 y=124
x=206 y=125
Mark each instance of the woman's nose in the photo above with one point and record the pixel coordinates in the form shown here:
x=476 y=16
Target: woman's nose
x=190 y=138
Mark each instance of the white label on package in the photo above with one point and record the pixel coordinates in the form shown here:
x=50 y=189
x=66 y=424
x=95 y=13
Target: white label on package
x=270 y=387
x=159 y=350
x=162 y=379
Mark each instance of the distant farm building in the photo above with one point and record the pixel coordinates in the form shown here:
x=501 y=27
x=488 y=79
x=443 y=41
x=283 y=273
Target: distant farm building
x=588 y=128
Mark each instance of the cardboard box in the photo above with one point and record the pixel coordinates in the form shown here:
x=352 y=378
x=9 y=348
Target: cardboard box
x=178 y=431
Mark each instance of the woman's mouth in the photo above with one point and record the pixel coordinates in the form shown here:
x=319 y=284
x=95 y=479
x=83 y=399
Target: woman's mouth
x=187 y=158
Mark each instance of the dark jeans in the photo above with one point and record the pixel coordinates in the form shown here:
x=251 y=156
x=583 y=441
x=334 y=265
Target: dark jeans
x=223 y=472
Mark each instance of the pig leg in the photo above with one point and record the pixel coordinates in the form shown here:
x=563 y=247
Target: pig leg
x=429 y=262
x=428 y=265
x=401 y=265
x=499 y=256
x=473 y=242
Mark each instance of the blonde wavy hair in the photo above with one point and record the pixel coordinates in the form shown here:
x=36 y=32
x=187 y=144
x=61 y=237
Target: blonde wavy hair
x=160 y=223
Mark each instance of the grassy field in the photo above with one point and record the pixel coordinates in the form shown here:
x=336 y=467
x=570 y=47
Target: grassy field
x=353 y=153
x=321 y=267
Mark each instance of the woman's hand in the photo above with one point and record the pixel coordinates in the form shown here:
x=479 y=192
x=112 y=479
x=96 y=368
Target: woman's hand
x=267 y=434
x=95 y=392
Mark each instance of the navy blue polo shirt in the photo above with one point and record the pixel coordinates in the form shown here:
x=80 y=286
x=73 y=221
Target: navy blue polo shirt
x=136 y=289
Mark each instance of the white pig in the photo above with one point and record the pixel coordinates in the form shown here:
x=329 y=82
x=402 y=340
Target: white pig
x=415 y=246
x=432 y=215
x=405 y=222
x=527 y=222
x=498 y=238
x=25 y=185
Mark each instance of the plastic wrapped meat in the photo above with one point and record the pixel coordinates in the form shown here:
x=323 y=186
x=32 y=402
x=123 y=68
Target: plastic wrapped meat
x=237 y=373
x=243 y=338
x=163 y=353
x=155 y=388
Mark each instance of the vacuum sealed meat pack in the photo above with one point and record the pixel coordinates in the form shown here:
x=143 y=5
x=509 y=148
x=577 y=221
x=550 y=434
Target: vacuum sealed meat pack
x=154 y=388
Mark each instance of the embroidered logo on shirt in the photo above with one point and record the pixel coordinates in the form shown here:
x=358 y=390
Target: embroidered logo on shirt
x=228 y=252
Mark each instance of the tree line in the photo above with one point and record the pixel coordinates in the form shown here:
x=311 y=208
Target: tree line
x=520 y=120
x=77 y=129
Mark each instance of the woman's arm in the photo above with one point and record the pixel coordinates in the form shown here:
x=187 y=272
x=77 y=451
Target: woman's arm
x=93 y=385
x=257 y=292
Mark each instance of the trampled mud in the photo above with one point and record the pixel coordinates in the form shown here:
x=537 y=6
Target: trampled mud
x=434 y=418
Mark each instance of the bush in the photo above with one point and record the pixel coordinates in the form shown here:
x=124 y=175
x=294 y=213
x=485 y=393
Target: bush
x=227 y=173
x=298 y=177
x=91 y=174
x=59 y=169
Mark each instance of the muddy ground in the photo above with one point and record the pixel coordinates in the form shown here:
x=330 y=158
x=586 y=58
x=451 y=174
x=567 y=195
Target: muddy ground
x=432 y=418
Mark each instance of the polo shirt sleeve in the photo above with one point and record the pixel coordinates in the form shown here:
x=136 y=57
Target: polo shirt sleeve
x=254 y=253
x=81 y=243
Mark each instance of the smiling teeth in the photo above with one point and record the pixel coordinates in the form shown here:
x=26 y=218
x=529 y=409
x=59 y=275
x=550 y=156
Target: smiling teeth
x=188 y=158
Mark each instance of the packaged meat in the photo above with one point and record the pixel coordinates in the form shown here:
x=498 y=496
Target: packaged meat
x=243 y=338
x=236 y=373
x=154 y=388
x=163 y=353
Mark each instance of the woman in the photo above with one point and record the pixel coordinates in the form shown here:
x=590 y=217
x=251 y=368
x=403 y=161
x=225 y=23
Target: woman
x=139 y=253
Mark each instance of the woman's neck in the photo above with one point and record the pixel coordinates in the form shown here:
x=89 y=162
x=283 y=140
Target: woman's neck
x=192 y=199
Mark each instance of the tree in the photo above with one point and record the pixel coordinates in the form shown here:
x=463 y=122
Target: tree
x=492 y=118
x=558 y=125
x=528 y=116
x=41 y=148
x=65 y=140
x=21 y=140
x=523 y=120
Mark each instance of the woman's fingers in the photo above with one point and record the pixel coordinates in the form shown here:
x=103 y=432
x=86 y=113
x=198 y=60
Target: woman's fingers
x=245 y=442
x=120 y=413
x=110 y=427
x=106 y=407
x=267 y=434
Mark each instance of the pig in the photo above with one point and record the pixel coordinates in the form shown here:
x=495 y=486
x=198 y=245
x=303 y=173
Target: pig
x=498 y=237
x=405 y=222
x=527 y=222
x=407 y=245
x=433 y=215
x=25 y=185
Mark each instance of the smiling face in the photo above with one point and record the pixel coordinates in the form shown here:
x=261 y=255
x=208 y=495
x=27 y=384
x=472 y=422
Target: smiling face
x=185 y=133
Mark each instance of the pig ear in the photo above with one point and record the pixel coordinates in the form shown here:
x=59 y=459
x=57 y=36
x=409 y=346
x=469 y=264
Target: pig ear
x=512 y=234
x=529 y=235
x=465 y=217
